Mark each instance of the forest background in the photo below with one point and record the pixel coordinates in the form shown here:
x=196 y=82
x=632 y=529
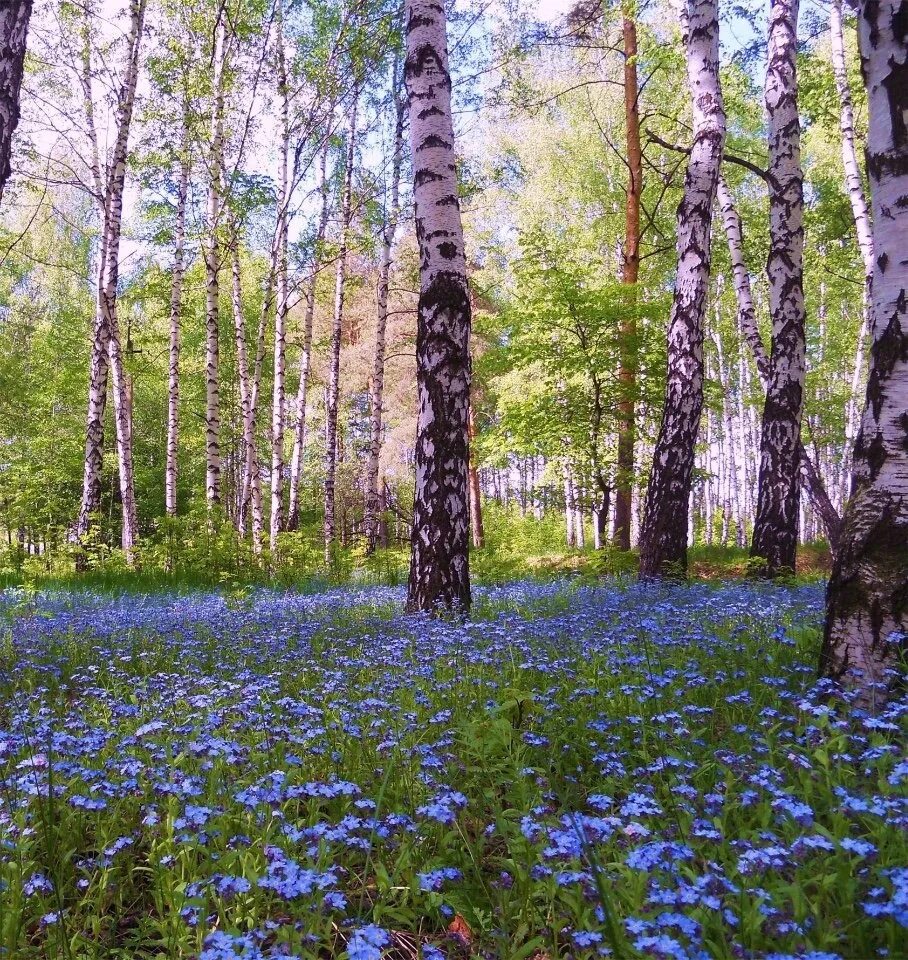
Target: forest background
x=540 y=113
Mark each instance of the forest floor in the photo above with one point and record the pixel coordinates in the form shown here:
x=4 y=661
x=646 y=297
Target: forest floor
x=579 y=770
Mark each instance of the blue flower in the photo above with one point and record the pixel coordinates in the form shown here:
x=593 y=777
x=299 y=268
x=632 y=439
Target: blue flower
x=365 y=943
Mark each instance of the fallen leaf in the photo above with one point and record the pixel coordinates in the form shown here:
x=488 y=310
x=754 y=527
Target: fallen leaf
x=459 y=928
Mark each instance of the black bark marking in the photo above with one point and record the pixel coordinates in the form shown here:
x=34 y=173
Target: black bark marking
x=425 y=175
x=433 y=140
x=438 y=571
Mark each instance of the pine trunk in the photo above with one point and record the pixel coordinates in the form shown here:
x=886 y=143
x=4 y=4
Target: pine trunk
x=775 y=538
x=439 y=562
x=866 y=636
x=663 y=549
x=630 y=271
x=14 y=19
x=372 y=510
x=333 y=393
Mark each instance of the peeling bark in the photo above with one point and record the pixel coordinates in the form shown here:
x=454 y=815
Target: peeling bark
x=775 y=537
x=663 y=548
x=439 y=561
x=866 y=635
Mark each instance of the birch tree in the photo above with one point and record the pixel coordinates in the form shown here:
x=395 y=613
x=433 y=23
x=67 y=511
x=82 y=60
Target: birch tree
x=14 y=19
x=280 y=316
x=250 y=457
x=747 y=324
x=775 y=537
x=866 y=632
x=439 y=564
x=305 y=360
x=372 y=512
x=333 y=391
x=663 y=546
x=171 y=468
x=106 y=352
x=854 y=187
x=212 y=255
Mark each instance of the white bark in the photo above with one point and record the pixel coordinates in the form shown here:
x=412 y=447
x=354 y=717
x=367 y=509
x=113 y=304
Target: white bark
x=280 y=315
x=663 y=547
x=867 y=614
x=252 y=485
x=251 y=459
x=775 y=535
x=854 y=187
x=439 y=565
x=106 y=350
x=171 y=469
x=305 y=362
x=372 y=511
x=333 y=392
x=747 y=325
x=212 y=269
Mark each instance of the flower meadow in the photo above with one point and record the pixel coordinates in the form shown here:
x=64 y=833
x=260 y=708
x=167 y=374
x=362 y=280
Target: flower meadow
x=615 y=770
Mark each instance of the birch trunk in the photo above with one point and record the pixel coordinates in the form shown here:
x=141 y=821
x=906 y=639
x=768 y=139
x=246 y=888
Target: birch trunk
x=13 y=34
x=333 y=392
x=250 y=459
x=280 y=314
x=775 y=537
x=212 y=269
x=99 y=362
x=733 y=488
x=106 y=351
x=299 y=433
x=372 y=511
x=171 y=469
x=854 y=187
x=663 y=548
x=439 y=562
x=252 y=485
x=866 y=635
x=477 y=530
x=568 y=508
x=747 y=324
